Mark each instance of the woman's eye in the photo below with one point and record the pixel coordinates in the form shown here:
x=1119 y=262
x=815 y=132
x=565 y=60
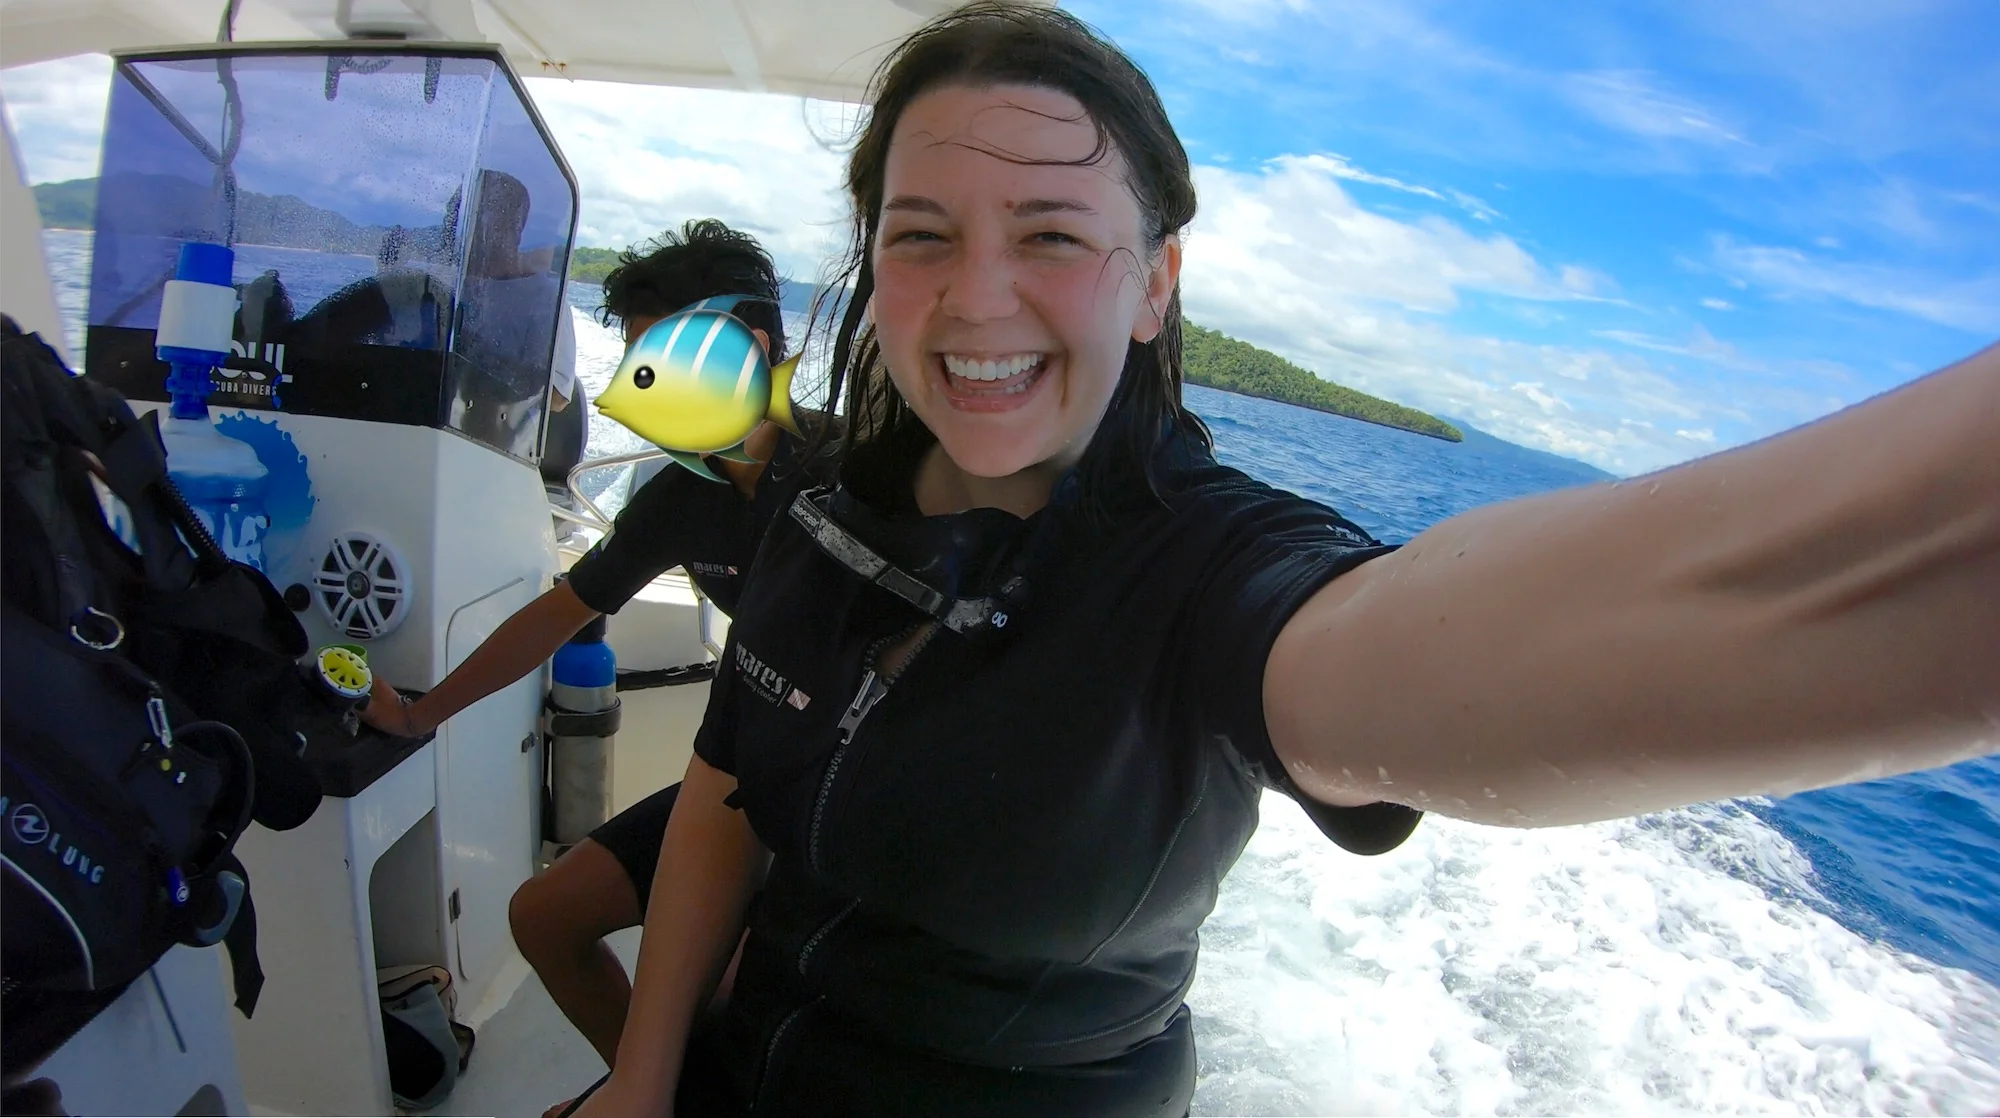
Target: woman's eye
x=915 y=236
x=1052 y=237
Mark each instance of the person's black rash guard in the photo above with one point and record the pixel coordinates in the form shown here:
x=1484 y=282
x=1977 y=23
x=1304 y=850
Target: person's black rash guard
x=1008 y=864
x=678 y=519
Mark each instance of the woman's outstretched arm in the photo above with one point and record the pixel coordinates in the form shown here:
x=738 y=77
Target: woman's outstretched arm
x=1817 y=608
x=710 y=866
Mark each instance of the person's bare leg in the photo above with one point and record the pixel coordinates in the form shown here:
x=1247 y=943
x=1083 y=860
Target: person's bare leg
x=560 y=919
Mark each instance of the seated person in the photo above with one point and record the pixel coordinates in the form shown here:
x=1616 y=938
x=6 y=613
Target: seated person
x=505 y=324
x=561 y=917
x=509 y=309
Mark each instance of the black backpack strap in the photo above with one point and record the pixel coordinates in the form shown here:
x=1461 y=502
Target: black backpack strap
x=244 y=968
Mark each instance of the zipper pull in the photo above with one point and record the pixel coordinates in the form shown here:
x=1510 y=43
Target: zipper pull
x=872 y=690
x=156 y=713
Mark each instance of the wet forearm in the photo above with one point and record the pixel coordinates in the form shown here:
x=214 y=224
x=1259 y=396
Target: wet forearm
x=710 y=864
x=1819 y=608
x=522 y=643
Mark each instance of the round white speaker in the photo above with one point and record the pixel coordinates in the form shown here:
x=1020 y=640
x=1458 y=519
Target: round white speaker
x=362 y=586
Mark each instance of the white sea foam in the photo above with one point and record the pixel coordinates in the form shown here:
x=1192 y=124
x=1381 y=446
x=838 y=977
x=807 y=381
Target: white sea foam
x=1614 y=968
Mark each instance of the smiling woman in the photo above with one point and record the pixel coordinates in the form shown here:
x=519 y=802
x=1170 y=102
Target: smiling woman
x=1078 y=649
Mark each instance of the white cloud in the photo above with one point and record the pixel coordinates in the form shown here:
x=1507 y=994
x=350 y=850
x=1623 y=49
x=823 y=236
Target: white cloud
x=1968 y=304
x=1827 y=242
x=1718 y=304
x=1627 y=101
x=57 y=112
x=1700 y=435
x=1293 y=217
x=1579 y=280
x=647 y=157
x=1284 y=258
x=1976 y=201
x=1340 y=167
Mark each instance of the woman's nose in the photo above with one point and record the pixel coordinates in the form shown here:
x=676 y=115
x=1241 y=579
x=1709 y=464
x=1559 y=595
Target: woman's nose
x=979 y=286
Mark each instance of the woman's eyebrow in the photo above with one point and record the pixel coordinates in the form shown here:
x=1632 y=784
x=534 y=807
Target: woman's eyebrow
x=1036 y=207
x=910 y=203
x=1032 y=207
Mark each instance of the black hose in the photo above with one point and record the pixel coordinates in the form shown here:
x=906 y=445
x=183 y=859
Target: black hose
x=206 y=550
x=236 y=745
x=666 y=677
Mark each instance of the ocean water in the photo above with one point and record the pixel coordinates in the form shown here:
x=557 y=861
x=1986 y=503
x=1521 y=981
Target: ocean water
x=1831 y=953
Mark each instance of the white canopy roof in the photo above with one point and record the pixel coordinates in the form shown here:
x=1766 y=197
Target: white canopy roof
x=821 y=48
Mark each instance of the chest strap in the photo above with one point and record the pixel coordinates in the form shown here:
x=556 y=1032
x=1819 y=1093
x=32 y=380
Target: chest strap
x=970 y=616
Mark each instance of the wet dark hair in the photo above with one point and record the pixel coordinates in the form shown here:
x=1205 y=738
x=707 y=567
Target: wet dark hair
x=986 y=44
x=702 y=259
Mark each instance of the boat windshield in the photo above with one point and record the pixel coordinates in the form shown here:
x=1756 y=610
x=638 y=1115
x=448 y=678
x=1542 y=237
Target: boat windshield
x=401 y=224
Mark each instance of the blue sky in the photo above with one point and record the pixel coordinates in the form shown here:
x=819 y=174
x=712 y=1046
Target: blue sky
x=1630 y=233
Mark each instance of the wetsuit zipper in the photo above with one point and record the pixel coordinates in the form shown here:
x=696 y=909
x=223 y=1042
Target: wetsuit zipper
x=763 y=1089
x=874 y=685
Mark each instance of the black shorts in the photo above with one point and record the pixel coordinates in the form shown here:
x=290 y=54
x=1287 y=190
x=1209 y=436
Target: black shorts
x=633 y=836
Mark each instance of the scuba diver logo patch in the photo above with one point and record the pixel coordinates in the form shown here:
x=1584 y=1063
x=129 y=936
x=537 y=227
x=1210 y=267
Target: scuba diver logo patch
x=766 y=682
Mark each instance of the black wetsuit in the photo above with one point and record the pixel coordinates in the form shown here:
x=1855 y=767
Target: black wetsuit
x=677 y=520
x=987 y=901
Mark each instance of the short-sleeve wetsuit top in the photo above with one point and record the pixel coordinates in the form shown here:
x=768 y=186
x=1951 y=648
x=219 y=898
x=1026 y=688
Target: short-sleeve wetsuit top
x=678 y=519
x=1003 y=869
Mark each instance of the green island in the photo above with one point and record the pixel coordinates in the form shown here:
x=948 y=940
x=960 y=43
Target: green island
x=591 y=265
x=1213 y=359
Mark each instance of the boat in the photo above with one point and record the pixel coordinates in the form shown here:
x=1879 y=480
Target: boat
x=343 y=148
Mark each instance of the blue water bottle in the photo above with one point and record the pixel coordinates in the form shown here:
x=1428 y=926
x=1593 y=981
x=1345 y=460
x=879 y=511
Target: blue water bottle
x=583 y=725
x=221 y=477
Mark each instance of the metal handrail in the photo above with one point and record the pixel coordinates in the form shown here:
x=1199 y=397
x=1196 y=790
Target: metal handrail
x=602 y=522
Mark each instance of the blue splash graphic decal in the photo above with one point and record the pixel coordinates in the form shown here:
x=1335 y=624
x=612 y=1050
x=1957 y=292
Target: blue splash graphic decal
x=288 y=497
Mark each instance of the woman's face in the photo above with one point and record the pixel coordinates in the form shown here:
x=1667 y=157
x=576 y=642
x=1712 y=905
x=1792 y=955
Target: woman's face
x=1005 y=292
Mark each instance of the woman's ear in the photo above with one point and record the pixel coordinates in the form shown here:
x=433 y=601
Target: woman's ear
x=1161 y=282
x=764 y=340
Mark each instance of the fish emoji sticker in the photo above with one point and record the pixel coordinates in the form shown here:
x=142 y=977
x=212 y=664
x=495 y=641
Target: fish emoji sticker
x=698 y=382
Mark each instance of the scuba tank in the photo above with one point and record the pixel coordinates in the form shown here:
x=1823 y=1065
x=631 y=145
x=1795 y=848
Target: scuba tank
x=221 y=477
x=583 y=723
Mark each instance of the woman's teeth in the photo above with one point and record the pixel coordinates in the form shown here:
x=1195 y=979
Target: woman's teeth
x=967 y=368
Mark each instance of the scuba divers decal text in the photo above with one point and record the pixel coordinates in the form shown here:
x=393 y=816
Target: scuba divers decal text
x=765 y=681
x=253 y=369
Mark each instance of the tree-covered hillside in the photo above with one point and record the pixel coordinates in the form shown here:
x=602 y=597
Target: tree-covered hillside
x=1216 y=360
x=67 y=205
x=591 y=265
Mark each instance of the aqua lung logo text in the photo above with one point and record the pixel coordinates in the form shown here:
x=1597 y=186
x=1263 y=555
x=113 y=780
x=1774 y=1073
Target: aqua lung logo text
x=766 y=682
x=713 y=570
x=28 y=826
